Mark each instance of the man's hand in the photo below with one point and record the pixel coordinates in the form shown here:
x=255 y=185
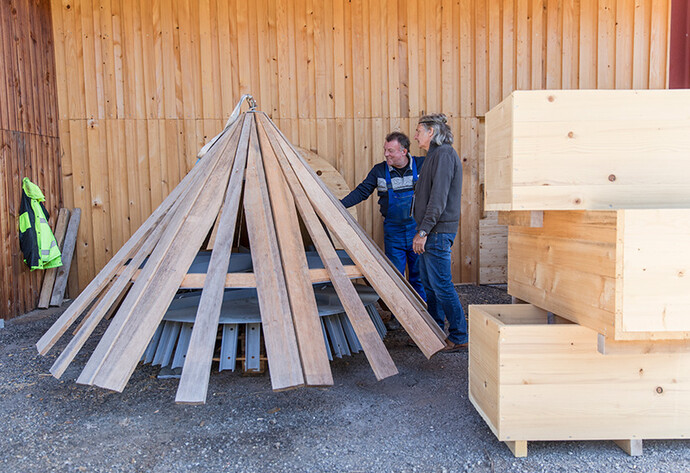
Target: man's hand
x=418 y=244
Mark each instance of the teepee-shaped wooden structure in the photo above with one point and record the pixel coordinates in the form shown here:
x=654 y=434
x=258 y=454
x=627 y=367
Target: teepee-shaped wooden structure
x=250 y=164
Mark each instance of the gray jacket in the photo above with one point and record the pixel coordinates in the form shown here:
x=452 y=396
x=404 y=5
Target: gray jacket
x=439 y=190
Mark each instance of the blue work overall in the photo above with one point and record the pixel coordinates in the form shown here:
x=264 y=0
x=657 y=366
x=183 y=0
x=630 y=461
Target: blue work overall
x=399 y=229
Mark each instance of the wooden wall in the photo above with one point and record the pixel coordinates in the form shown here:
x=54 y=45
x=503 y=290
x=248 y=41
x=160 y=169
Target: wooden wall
x=29 y=144
x=142 y=85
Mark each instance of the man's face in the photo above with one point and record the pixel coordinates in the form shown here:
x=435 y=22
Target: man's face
x=395 y=154
x=423 y=136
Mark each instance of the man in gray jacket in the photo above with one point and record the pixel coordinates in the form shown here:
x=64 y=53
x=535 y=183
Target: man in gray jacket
x=437 y=213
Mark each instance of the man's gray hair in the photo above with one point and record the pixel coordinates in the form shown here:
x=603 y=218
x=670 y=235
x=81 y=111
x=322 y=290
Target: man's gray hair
x=438 y=123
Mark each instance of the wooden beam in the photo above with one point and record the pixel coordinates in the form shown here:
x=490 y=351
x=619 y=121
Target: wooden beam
x=49 y=278
x=122 y=345
x=366 y=332
x=632 y=447
x=120 y=258
x=410 y=314
x=196 y=370
x=305 y=313
x=67 y=253
x=276 y=320
x=608 y=346
x=110 y=297
x=518 y=447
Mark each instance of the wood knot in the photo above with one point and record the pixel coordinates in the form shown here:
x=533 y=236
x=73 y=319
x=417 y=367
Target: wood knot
x=578 y=201
x=319 y=172
x=612 y=177
x=659 y=390
x=570 y=134
x=551 y=98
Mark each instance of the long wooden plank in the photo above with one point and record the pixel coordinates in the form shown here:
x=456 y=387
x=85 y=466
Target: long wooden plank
x=372 y=247
x=276 y=320
x=247 y=280
x=371 y=342
x=305 y=313
x=388 y=288
x=110 y=297
x=193 y=385
x=128 y=249
x=120 y=348
x=67 y=253
x=49 y=278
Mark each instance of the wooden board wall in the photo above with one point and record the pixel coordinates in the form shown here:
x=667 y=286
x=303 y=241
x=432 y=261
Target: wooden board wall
x=142 y=85
x=29 y=144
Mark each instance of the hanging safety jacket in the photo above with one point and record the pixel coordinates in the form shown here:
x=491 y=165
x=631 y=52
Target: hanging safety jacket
x=36 y=239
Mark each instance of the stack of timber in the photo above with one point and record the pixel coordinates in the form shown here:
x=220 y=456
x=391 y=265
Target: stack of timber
x=249 y=169
x=595 y=188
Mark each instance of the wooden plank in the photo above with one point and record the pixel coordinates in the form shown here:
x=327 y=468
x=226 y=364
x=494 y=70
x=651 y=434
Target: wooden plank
x=106 y=274
x=197 y=366
x=371 y=342
x=67 y=253
x=522 y=218
x=276 y=320
x=408 y=309
x=122 y=345
x=49 y=278
x=110 y=297
x=609 y=346
x=305 y=313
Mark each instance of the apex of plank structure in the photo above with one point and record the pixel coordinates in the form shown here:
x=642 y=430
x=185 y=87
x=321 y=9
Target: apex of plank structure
x=249 y=168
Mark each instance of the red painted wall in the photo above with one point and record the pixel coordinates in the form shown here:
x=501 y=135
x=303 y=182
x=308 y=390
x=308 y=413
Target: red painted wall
x=679 y=61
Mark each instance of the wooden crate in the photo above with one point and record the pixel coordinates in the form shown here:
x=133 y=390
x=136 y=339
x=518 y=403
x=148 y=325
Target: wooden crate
x=531 y=380
x=588 y=150
x=622 y=273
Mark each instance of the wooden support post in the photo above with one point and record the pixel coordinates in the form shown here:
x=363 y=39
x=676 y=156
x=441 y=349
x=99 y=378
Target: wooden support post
x=518 y=447
x=632 y=447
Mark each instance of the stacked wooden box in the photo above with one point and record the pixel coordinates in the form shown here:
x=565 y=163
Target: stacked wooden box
x=595 y=186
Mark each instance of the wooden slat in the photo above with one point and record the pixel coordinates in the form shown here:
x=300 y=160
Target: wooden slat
x=121 y=347
x=371 y=342
x=67 y=253
x=406 y=308
x=106 y=274
x=50 y=274
x=305 y=313
x=276 y=319
x=197 y=366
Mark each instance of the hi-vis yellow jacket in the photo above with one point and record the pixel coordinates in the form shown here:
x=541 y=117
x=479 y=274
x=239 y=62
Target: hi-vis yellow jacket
x=36 y=239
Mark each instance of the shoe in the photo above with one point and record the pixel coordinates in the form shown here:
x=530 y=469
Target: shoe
x=393 y=325
x=454 y=347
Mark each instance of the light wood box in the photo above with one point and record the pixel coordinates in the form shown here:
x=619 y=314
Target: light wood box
x=622 y=273
x=531 y=380
x=588 y=149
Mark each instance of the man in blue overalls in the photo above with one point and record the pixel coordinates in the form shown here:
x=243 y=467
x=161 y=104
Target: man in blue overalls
x=394 y=179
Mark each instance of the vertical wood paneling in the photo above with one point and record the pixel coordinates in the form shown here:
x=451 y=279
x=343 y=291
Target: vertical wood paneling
x=159 y=78
x=29 y=145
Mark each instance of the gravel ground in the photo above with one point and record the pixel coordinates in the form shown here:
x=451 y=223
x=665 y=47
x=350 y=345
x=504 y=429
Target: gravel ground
x=418 y=421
